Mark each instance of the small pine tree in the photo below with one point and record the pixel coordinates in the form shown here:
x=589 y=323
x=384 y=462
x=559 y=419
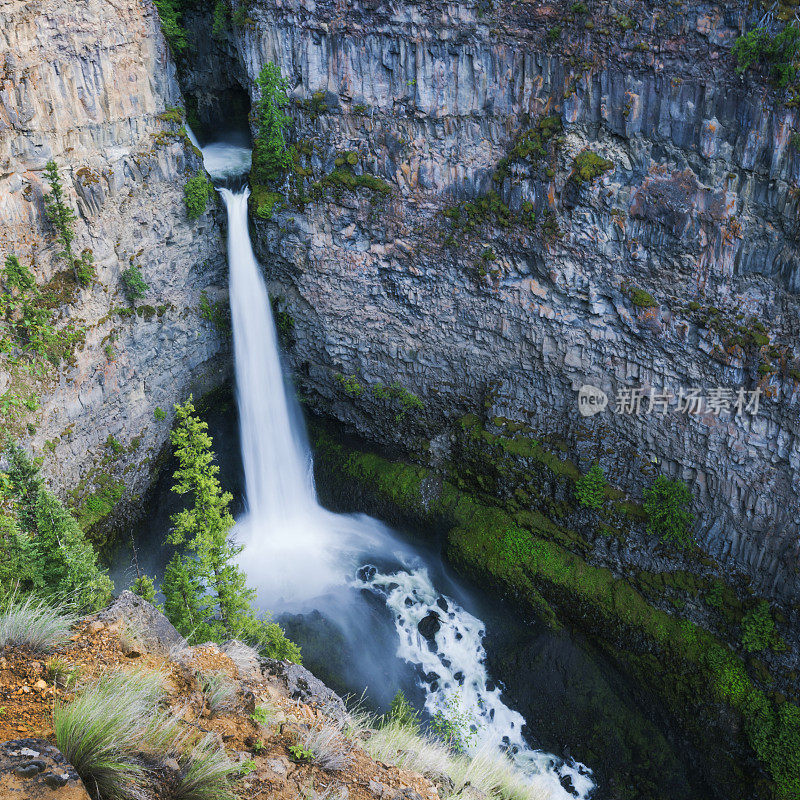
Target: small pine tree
x=667 y=504
x=271 y=156
x=183 y=602
x=590 y=488
x=59 y=212
x=206 y=594
x=61 y=561
x=145 y=588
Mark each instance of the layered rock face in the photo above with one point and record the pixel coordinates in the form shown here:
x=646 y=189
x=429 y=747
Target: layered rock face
x=664 y=259
x=84 y=83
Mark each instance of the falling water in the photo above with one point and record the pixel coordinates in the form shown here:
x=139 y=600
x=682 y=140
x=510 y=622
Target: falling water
x=303 y=557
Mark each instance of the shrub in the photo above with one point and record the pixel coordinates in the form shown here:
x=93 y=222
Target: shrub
x=590 y=489
x=455 y=727
x=403 y=713
x=57 y=558
x=145 y=588
x=159 y=414
x=33 y=624
x=196 y=194
x=133 y=284
x=667 y=504
x=169 y=12
x=777 y=55
x=758 y=628
x=271 y=155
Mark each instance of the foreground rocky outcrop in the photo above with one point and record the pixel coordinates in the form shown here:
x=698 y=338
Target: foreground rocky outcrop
x=257 y=709
x=87 y=84
x=664 y=258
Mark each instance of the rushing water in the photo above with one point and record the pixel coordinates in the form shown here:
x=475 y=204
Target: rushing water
x=304 y=559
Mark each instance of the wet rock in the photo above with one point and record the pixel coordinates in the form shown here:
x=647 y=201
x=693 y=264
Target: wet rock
x=429 y=625
x=33 y=769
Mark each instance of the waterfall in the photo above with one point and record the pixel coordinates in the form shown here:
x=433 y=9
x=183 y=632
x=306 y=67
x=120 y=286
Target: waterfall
x=274 y=451
x=302 y=557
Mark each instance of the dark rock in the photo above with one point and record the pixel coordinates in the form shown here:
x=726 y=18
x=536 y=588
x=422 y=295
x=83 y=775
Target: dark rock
x=429 y=625
x=303 y=686
x=33 y=769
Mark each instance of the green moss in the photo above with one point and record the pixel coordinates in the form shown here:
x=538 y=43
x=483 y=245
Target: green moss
x=172 y=115
x=349 y=384
x=642 y=299
x=101 y=502
x=263 y=201
x=517 y=553
x=588 y=166
x=196 y=194
x=344 y=179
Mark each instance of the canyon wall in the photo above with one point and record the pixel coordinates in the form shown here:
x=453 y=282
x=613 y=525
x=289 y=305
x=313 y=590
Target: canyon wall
x=669 y=262
x=87 y=83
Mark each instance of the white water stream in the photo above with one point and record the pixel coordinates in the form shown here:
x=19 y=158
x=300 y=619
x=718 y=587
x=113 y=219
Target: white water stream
x=298 y=554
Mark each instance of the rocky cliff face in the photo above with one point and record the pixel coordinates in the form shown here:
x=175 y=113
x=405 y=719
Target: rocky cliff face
x=86 y=83
x=666 y=258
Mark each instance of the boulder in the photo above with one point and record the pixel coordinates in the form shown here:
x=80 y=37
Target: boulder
x=145 y=623
x=429 y=625
x=33 y=769
x=303 y=686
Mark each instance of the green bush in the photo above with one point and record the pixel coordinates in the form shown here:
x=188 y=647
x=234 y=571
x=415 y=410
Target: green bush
x=196 y=194
x=758 y=628
x=590 y=489
x=776 y=55
x=169 y=12
x=403 y=713
x=159 y=414
x=667 y=504
x=133 y=284
x=49 y=547
x=588 y=166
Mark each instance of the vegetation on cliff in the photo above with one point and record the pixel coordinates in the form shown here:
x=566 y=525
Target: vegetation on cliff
x=527 y=555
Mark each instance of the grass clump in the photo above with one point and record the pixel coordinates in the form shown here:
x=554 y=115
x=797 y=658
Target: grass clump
x=219 y=692
x=325 y=746
x=34 y=624
x=205 y=773
x=642 y=299
x=105 y=729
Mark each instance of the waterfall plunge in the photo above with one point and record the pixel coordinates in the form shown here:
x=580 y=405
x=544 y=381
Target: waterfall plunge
x=301 y=556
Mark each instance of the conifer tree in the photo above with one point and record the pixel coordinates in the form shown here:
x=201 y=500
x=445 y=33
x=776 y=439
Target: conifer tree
x=56 y=555
x=590 y=488
x=59 y=212
x=206 y=593
x=271 y=156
